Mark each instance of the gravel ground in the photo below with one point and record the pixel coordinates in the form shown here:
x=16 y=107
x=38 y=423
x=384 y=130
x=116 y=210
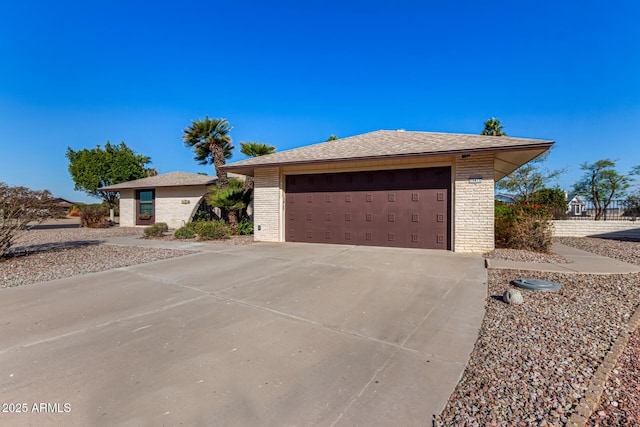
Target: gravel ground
x=620 y=403
x=49 y=253
x=526 y=256
x=618 y=249
x=234 y=240
x=532 y=362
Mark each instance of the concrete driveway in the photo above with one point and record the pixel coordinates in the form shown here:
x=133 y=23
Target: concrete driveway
x=264 y=334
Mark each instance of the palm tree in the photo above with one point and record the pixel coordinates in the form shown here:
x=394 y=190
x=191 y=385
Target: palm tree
x=211 y=144
x=493 y=127
x=254 y=149
x=231 y=201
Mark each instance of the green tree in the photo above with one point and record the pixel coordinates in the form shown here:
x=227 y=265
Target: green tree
x=493 y=127
x=92 y=169
x=332 y=137
x=254 y=149
x=211 y=143
x=553 y=198
x=20 y=206
x=528 y=179
x=601 y=183
x=632 y=204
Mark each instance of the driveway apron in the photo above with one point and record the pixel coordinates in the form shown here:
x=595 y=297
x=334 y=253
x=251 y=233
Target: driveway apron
x=263 y=334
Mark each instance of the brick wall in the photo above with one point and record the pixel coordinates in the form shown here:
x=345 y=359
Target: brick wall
x=583 y=228
x=473 y=210
x=176 y=205
x=127 y=208
x=169 y=205
x=267 y=202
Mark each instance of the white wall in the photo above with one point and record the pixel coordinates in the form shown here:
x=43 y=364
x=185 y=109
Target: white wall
x=584 y=228
x=127 y=208
x=267 y=202
x=175 y=205
x=473 y=213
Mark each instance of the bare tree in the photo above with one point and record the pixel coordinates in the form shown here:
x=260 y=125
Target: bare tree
x=21 y=206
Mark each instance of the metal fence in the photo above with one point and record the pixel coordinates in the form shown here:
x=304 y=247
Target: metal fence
x=617 y=210
x=580 y=210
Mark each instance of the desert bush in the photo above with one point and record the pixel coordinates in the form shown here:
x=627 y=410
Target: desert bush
x=523 y=226
x=156 y=230
x=93 y=218
x=184 y=233
x=245 y=227
x=212 y=230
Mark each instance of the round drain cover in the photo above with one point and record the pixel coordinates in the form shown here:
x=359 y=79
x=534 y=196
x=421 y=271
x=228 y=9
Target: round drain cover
x=536 y=285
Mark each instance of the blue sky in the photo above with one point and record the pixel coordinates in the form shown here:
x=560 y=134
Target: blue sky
x=291 y=73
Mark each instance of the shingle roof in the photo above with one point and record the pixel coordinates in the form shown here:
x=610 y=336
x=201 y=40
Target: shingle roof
x=171 y=179
x=385 y=143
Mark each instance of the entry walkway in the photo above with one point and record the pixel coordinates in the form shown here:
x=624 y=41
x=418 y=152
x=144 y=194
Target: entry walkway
x=582 y=262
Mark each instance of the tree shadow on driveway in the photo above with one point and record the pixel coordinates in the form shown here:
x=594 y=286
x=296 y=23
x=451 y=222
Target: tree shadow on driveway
x=19 y=251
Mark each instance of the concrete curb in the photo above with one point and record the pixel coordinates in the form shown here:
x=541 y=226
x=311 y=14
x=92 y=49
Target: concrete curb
x=589 y=402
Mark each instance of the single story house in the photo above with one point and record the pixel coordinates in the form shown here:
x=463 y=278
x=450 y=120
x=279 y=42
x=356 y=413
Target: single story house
x=172 y=198
x=576 y=206
x=386 y=188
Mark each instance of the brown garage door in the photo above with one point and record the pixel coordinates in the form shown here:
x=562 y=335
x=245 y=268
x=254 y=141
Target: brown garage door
x=405 y=208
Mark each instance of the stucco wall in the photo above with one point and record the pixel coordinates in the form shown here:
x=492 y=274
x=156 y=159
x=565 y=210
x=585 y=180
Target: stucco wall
x=267 y=202
x=473 y=210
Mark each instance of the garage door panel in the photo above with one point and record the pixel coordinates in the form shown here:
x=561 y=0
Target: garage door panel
x=403 y=208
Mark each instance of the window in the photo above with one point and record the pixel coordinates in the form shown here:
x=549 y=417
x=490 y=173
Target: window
x=145 y=206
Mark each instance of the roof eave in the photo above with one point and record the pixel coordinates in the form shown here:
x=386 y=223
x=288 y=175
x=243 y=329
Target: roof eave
x=142 y=187
x=250 y=169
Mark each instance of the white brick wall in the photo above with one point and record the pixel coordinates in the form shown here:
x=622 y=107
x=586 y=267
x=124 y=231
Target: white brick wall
x=267 y=205
x=473 y=209
x=170 y=207
x=583 y=228
x=127 y=208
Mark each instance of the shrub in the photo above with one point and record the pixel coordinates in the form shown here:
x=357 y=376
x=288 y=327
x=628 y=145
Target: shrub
x=84 y=206
x=211 y=230
x=184 y=233
x=93 y=217
x=245 y=227
x=156 y=230
x=523 y=226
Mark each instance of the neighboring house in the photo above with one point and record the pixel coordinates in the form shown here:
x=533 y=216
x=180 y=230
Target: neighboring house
x=172 y=198
x=63 y=203
x=576 y=206
x=386 y=188
x=506 y=198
